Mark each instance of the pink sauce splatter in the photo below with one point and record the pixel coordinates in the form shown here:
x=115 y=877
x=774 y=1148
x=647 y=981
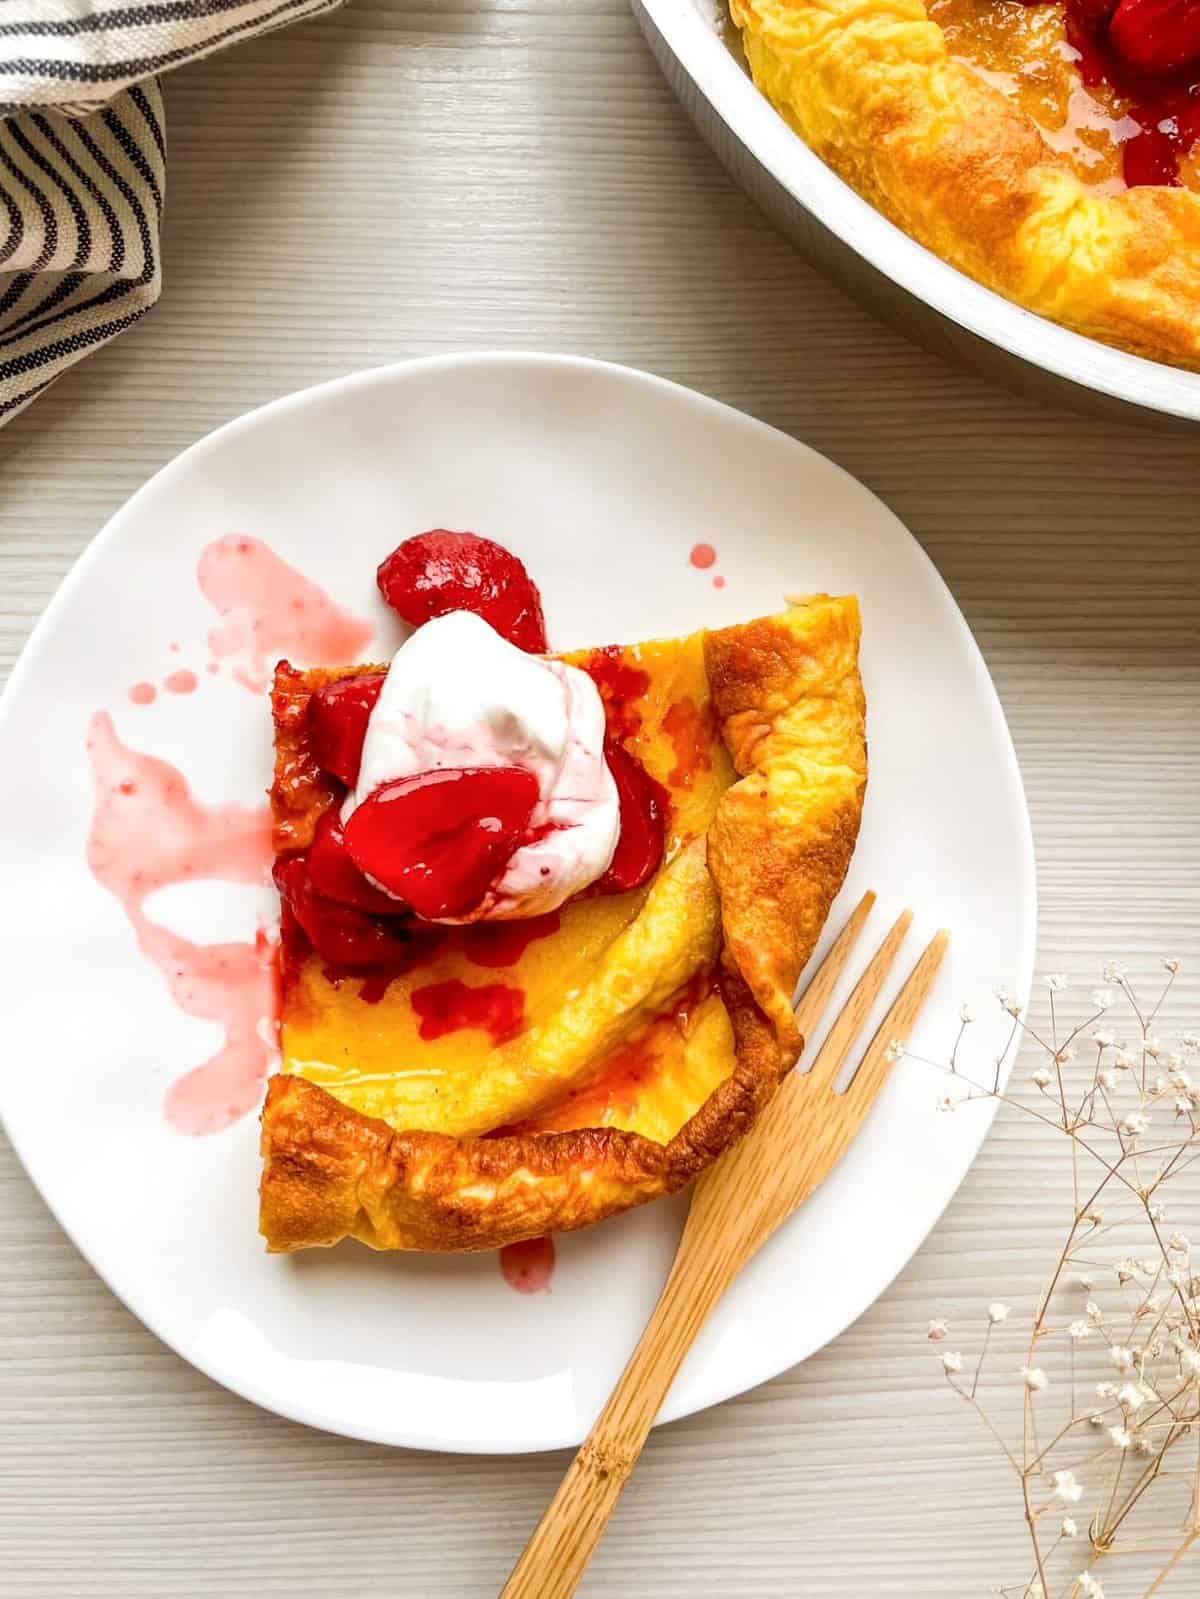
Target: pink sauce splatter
x=703 y=556
x=267 y=609
x=174 y=648
x=149 y=832
x=143 y=693
x=181 y=682
x=718 y=582
x=529 y=1266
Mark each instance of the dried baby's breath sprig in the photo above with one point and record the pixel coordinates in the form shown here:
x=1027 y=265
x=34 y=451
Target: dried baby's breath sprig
x=1126 y=1103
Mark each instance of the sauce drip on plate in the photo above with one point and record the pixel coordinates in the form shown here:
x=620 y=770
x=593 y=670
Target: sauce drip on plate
x=267 y=609
x=528 y=1267
x=148 y=833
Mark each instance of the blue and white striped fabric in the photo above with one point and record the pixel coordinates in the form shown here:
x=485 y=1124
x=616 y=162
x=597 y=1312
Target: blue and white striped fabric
x=83 y=165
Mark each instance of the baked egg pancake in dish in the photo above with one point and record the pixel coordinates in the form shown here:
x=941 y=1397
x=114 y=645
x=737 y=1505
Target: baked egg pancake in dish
x=1047 y=149
x=543 y=915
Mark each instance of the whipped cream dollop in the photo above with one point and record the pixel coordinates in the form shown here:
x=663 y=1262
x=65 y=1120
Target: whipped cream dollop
x=458 y=695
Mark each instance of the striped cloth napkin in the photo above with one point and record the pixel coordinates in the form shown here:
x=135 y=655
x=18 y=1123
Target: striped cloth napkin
x=83 y=165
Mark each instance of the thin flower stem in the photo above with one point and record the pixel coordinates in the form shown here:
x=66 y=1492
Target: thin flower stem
x=1158 y=1003
x=1172 y=1564
x=970 y=1399
x=987 y=1337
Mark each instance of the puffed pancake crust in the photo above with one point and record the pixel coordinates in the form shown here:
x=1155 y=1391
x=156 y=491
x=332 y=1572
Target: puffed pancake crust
x=653 y=1026
x=873 y=88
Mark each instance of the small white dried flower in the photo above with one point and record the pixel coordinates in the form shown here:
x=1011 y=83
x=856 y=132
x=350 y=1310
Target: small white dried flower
x=946 y=1102
x=1093 y=1309
x=1132 y=1396
x=1103 y=1038
x=1113 y=973
x=1065 y=1056
x=1142 y=1444
x=1079 y=1329
x=1034 y=1378
x=1120 y=1437
x=1066 y=1488
x=1191 y=1042
x=1158 y=1086
x=894 y=1051
x=998 y=1312
x=966 y=1014
x=1121 y=1357
x=1068 y=1528
x=938 y=1329
x=1095 y=1420
x=1158 y=1213
x=1189 y=1359
x=951 y=1361
x=1086 y=1281
x=1123 y=1060
x=1089 y=1588
x=1171 y=966
x=1107 y=1080
x=1181 y=1080
x=1042 y=1077
x=1152 y=1046
x=1183 y=1106
x=1135 y=1124
x=1055 y=981
x=1102 y=998
x=1179 y=1244
x=1106 y=1390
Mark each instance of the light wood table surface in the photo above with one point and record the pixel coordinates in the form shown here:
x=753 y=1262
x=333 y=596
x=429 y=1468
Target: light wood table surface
x=406 y=178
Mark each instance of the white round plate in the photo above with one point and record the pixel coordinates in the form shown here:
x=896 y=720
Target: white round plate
x=603 y=480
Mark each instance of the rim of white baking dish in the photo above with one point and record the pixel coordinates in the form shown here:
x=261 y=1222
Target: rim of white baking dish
x=752 y=119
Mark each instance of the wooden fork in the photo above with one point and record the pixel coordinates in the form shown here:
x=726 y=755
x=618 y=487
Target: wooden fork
x=737 y=1205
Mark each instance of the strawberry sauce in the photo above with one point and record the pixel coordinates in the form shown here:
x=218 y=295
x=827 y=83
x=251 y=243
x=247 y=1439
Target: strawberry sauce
x=149 y=832
x=267 y=608
x=691 y=732
x=619 y=680
x=496 y=944
x=1149 y=52
x=528 y=1267
x=454 y=1006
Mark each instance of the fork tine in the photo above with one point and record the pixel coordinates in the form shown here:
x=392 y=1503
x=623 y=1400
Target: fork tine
x=898 y=1024
x=812 y=1003
x=849 y=1021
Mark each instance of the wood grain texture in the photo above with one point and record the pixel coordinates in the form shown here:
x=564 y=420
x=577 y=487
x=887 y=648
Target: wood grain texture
x=406 y=178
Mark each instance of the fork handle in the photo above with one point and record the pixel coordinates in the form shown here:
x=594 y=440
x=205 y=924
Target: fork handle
x=557 y=1554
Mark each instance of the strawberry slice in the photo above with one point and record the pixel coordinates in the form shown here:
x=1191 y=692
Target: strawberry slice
x=644 y=808
x=337 y=722
x=439 y=840
x=335 y=875
x=439 y=571
x=346 y=937
x=1157 y=35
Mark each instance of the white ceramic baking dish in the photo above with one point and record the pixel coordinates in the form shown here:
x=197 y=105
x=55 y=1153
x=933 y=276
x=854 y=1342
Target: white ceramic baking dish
x=870 y=257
